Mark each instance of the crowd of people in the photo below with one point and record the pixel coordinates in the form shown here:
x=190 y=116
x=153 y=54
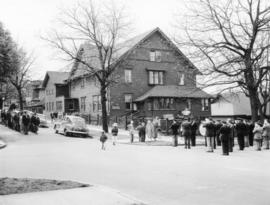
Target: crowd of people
x=20 y=121
x=217 y=133
x=224 y=133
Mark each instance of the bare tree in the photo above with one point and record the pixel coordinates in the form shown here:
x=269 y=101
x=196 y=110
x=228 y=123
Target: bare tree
x=20 y=75
x=230 y=40
x=98 y=27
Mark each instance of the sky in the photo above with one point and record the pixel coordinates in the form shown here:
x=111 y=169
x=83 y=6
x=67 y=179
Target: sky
x=28 y=20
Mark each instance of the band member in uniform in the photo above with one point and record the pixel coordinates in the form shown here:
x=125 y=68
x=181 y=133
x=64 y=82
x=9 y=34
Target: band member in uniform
x=225 y=137
x=210 y=131
x=240 y=131
x=258 y=135
x=194 y=127
x=218 y=126
x=250 y=135
x=232 y=134
x=175 y=131
x=186 y=132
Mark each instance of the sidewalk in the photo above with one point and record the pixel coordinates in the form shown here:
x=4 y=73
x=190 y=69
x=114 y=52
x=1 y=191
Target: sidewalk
x=96 y=195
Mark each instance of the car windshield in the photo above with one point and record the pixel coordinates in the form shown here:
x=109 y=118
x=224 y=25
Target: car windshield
x=78 y=121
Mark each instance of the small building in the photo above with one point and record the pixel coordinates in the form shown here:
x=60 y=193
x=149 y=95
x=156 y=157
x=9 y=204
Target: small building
x=154 y=78
x=56 y=90
x=232 y=105
x=34 y=96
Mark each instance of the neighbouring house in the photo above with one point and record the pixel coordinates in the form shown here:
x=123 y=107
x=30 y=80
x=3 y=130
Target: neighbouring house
x=35 y=96
x=154 y=78
x=232 y=105
x=57 y=97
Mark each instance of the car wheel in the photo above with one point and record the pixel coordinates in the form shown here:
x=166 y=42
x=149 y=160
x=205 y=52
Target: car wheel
x=65 y=133
x=56 y=131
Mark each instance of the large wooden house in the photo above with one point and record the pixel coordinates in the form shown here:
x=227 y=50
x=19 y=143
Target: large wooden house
x=154 y=78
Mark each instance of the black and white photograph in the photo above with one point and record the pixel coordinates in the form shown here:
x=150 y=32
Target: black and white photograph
x=134 y=102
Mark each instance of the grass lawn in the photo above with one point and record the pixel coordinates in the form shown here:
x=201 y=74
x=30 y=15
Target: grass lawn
x=25 y=185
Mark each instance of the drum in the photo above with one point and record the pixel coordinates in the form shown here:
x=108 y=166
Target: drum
x=202 y=129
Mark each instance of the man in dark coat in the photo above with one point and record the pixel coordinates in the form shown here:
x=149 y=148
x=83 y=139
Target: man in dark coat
x=16 y=120
x=194 y=127
x=175 y=131
x=141 y=132
x=217 y=130
x=240 y=128
x=225 y=137
x=210 y=131
x=250 y=132
x=186 y=132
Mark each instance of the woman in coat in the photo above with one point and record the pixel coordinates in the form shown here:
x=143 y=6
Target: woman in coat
x=258 y=136
x=150 y=130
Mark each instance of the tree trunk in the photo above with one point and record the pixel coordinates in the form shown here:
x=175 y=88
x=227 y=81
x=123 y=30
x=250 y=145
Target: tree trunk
x=104 y=108
x=20 y=98
x=254 y=104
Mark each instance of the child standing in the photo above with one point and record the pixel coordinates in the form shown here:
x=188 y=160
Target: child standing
x=103 y=139
x=114 y=133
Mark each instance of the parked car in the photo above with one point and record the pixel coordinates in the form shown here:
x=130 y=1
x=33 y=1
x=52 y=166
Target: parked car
x=43 y=120
x=72 y=126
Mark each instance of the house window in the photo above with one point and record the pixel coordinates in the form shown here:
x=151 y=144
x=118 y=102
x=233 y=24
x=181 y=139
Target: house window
x=128 y=78
x=155 y=56
x=163 y=104
x=96 y=103
x=59 y=105
x=149 y=105
x=128 y=101
x=156 y=77
x=181 y=78
x=83 y=103
x=82 y=82
x=52 y=106
x=205 y=104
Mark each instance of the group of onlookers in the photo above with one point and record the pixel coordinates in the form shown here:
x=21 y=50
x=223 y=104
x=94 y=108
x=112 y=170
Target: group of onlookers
x=20 y=121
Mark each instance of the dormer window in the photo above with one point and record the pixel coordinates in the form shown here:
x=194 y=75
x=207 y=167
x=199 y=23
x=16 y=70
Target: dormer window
x=155 y=56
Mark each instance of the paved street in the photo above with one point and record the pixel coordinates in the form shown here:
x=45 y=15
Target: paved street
x=153 y=174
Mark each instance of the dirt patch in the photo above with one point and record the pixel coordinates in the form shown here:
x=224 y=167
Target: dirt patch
x=25 y=185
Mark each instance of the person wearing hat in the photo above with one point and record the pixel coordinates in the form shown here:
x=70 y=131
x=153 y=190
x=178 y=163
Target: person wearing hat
x=240 y=128
x=210 y=131
x=114 y=133
x=250 y=134
x=224 y=135
x=194 y=127
x=218 y=125
x=103 y=138
x=141 y=132
x=175 y=131
x=186 y=132
x=258 y=135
